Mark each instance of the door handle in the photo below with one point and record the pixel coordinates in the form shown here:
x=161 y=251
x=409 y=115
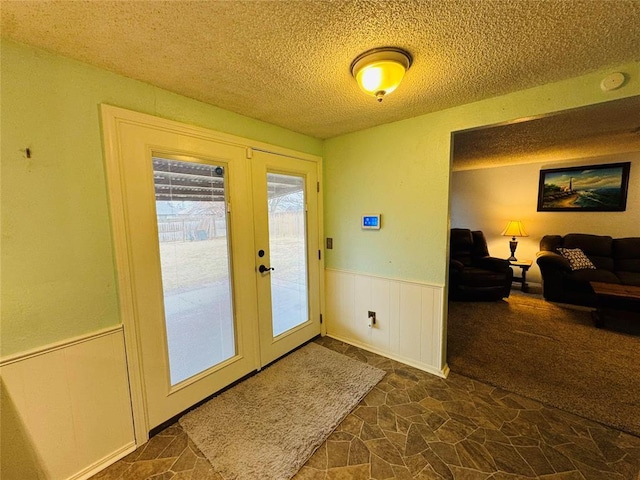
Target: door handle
x=263 y=269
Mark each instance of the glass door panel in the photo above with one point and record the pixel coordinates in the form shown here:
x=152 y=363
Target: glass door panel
x=182 y=216
x=287 y=263
x=194 y=254
x=288 y=250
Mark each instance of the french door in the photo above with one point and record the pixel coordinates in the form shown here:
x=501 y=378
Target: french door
x=287 y=254
x=217 y=255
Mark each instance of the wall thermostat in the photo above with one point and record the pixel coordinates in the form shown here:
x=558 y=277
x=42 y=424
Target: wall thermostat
x=371 y=221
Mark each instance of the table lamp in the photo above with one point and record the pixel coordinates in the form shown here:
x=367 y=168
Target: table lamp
x=514 y=229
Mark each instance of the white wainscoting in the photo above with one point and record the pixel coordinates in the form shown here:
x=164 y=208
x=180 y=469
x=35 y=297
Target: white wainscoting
x=409 y=325
x=66 y=408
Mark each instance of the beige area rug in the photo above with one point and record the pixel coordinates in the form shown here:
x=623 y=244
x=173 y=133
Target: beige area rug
x=268 y=426
x=550 y=353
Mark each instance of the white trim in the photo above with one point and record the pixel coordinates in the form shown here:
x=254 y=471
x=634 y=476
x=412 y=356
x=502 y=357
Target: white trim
x=103 y=463
x=136 y=118
x=321 y=246
x=394 y=279
x=112 y=118
x=420 y=366
x=9 y=359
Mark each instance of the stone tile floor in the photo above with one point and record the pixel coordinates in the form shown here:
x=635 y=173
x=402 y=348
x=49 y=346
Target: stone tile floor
x=414 y=425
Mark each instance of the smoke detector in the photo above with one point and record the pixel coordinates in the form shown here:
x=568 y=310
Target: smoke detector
x=612 y=81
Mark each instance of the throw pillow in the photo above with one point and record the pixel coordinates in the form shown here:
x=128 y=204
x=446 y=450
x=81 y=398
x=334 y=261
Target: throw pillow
x=577 y=259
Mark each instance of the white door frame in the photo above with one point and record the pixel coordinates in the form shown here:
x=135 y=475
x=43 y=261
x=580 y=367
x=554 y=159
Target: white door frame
x=112 y=119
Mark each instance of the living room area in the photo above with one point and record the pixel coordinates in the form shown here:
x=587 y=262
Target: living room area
x=540 y=339
x=280 y=79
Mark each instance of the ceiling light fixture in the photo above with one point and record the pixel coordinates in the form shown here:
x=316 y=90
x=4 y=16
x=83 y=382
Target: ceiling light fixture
x=380 y=71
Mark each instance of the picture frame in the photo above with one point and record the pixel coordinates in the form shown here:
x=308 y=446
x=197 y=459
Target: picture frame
x=588 y=188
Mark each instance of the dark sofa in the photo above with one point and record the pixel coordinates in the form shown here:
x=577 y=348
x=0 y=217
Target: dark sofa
x=473 y=274
x=616 y=260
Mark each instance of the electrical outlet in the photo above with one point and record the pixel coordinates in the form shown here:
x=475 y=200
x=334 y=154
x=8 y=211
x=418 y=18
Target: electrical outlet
x=329 y=243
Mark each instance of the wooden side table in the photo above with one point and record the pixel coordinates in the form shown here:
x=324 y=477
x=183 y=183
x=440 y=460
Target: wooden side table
x=524 y=266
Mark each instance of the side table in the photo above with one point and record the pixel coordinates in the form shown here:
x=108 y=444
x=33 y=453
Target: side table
x=524 y=266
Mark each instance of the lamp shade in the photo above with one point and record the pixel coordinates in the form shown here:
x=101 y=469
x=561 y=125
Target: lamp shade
x=514 y=229
x=380 y=71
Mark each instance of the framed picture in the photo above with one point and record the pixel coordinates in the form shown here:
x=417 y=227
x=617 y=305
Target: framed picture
x=591 y=188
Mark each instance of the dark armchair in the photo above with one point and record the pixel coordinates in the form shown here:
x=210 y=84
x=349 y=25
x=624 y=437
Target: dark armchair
x=473 y=274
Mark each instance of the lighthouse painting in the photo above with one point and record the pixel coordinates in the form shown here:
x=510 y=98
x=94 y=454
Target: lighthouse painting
x=589 y=188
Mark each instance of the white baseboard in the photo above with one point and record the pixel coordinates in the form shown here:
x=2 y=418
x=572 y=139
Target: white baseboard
x=103 y=463
x=443 y=373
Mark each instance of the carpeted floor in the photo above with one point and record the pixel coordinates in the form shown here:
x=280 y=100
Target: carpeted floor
x=268 y=426
x=550 y=353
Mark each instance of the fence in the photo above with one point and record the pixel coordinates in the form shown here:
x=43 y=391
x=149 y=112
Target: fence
x=207 y=227
x=190 y=228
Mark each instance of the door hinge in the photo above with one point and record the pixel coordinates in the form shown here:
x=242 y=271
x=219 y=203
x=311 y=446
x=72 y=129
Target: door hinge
x=249 y=152
x=318 y=187
x=319 y=254
x=320 y=318
x=228 y=207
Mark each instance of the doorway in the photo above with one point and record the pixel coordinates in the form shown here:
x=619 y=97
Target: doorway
x=217 y=255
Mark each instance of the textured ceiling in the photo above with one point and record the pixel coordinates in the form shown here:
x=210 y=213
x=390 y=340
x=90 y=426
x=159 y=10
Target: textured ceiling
x=602 y=129
x=287 y=62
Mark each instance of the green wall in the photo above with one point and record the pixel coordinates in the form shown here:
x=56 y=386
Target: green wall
x=58 y=276
x=402 y=170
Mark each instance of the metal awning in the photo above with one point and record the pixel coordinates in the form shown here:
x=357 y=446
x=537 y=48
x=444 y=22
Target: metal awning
x=177 y=180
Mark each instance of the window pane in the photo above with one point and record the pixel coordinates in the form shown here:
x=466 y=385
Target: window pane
x=288 y=250
x=194 y=254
